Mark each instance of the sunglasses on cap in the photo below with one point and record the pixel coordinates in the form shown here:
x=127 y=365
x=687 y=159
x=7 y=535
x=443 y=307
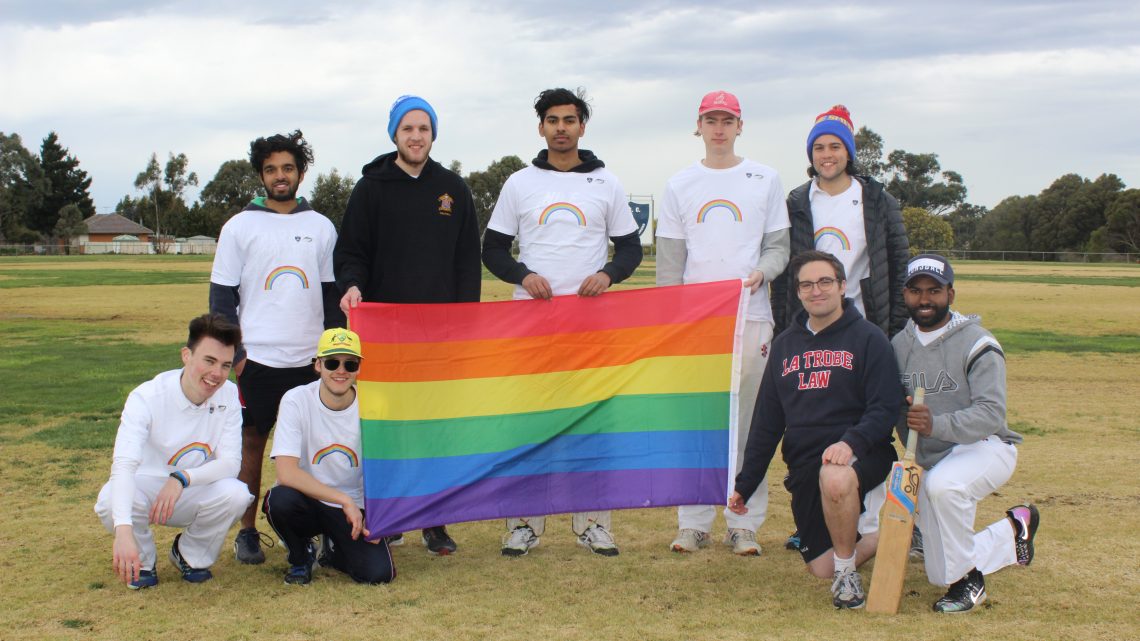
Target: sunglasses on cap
x=333 y=364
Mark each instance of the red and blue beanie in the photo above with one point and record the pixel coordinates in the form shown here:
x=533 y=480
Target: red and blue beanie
x=837 y=122
x=402 y=106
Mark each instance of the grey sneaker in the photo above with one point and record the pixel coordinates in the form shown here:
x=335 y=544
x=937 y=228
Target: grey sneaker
x=519 y=541
x=247 y=546
x=847 y=590
x=597 y=540
x=963 y=595
x=916 y=552
x=743 y=542
x=689 y=540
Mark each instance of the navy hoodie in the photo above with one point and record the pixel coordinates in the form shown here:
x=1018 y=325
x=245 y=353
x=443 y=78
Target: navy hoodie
x=409 y=240
x=841 y=384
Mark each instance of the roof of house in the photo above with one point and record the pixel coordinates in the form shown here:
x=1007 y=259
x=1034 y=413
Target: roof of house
x=113 y=224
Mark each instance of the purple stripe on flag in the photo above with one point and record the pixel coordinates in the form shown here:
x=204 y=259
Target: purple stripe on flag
x=540 y=494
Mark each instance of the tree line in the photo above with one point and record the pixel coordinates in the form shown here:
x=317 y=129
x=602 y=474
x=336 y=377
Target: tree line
x=44 y=197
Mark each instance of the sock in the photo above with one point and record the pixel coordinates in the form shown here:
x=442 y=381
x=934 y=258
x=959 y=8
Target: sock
x=844 y=565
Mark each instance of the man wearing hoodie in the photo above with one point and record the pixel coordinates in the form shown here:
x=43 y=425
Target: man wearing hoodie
x=409 y=235
x=562 y=208
x=964 y=443
x=830 y=391
x=273 y=274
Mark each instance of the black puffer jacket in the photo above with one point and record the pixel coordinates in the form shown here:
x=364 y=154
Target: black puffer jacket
x=887 y=248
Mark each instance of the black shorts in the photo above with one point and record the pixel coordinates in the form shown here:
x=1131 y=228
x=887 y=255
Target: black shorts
x=807 y=504
x=261 y=388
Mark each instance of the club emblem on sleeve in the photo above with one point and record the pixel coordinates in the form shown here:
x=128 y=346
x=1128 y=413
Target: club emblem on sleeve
x=445 y=203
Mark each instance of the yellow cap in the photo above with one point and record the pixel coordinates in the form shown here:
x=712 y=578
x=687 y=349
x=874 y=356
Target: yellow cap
x=338 y=341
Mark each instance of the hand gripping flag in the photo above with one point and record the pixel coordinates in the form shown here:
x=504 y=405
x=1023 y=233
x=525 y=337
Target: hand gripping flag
x=474 y=411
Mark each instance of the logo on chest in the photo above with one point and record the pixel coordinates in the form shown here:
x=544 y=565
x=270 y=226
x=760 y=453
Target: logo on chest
x=445 y=203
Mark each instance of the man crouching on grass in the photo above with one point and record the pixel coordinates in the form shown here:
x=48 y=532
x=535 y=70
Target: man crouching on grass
x=177 y=455
x=831 y=391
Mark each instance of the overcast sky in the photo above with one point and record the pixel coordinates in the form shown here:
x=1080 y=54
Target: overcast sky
x=1012 y=95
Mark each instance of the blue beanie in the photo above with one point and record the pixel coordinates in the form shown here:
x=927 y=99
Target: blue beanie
x=837 y=122
x=402 y=106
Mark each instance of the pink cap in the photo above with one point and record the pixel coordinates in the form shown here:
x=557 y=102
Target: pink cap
x=719 y=101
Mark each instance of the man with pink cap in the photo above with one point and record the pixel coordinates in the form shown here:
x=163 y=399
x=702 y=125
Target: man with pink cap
x=724 y=217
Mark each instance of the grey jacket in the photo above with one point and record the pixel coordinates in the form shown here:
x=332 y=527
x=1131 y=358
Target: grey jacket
x=887 y=249
x=963 y=373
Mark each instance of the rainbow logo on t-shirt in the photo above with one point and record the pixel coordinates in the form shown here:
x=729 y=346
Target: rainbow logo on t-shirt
x=337 y=448
x=833 y=232
x=201 y=448
x=727 y=205
x=549 y=212
x=286 y=270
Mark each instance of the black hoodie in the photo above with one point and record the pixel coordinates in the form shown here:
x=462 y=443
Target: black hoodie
x=409 y=240
x=841 y=384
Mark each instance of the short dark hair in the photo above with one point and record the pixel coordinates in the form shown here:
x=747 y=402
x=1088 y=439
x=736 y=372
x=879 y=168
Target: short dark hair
x=213 y=326
x=558 y=97
x=811 y=256
x=293 y=143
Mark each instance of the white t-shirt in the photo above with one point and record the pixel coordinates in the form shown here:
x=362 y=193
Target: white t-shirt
x=563 y=221
x=277 y=262
x=722 y=215
x=161 y=432
x=841 y=231
x=326 y=442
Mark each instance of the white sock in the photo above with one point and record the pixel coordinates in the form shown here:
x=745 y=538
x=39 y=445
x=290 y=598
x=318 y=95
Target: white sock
x=844 y=565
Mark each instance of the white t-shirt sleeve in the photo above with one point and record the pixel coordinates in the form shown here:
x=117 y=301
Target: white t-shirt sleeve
x=227 y=258
x=669 y=223
x=777 y=213
x=326 y=258
x=288 y=436
x=619 y=218
x=505 y=215
x=134 y=428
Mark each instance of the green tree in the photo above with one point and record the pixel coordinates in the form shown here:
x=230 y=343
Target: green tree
x=167 y=202
x=1121 y=231
x=964 y=222
x=926 y=231
x=869 y=153
x=69 y=185
x=69 y=225
x=485 y=186
x=230 y=190
x=1009 y=225
x=23 y=188
x=330 y=195
x=914 y=182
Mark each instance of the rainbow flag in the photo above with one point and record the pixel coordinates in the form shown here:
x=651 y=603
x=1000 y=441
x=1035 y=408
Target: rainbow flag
x=474 y=411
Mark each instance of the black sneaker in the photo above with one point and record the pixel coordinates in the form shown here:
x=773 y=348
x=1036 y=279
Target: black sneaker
x=793 y=541
x=247 y=546
x=394 y=540
x=916 y=551
x=303 y=574
x=437 y=541
x=1026 y=518
x=966 y=593
x=327 y=553
x=189 y=574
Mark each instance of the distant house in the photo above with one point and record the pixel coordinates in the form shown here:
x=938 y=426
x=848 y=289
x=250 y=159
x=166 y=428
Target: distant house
x=196 y=245
x=114 y=234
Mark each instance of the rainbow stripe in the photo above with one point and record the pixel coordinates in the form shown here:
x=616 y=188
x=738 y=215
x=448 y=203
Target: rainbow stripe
x=478 y=411
x=201 y=448
x=832 y=232
x=285 y=270
x=569 y=208
x=337 y=448
x=703 y=214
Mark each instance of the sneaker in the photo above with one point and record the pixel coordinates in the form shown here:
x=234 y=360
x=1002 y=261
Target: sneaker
x=598 y=540
x=189 y=574
x=1026 y=518
x=303 y=574
x=793 y=541
x=437 y=540
x=916 y=551
x=690 y=540
x=743 y=542
x=847 y=590
x=247 y=546
x=963 y=595
x=519 y=541
x=147 y=579
x=394 y=540
x=326 y=555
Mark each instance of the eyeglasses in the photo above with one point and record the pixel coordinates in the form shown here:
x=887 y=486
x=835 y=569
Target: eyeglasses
x=333 y=364
x=824 y=284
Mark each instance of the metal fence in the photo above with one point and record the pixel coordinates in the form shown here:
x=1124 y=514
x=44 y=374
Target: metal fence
x=1034 y=256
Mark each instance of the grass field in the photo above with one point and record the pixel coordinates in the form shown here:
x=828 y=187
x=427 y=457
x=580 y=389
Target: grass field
x=78 y=333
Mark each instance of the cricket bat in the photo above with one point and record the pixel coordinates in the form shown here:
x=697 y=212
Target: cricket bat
x=896 y=526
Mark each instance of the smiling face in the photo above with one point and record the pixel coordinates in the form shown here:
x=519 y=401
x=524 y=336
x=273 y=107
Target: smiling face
x=561 y=127
x=823 y=298
x=205 y=368
x=829 y=157
x=280 y=176
x=413 y=140
x=928 y=302
x=337 y=381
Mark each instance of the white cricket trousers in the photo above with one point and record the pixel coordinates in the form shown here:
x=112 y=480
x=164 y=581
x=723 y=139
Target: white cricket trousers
x=756 y=343
x=947 y=503
x=205 y=511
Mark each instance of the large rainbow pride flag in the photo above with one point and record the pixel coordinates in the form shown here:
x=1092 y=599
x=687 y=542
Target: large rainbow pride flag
x=474 y=411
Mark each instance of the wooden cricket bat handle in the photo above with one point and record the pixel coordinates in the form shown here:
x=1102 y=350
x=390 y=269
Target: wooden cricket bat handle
x=912 y=436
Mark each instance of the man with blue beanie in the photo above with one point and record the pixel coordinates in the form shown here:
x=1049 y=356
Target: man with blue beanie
x=409 y=233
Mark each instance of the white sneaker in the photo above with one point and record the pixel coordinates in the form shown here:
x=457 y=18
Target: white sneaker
x=690 y=540
x=519 y=541
x=598 y=540
x=743 y=541
x=847 y=591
